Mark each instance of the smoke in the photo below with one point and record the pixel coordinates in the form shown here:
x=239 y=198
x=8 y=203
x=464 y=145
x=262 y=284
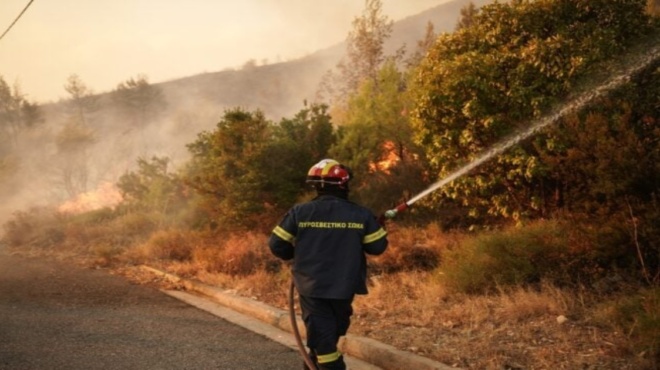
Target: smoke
x=46 y=173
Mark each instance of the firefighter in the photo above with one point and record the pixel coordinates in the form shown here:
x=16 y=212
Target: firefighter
x=327 y=238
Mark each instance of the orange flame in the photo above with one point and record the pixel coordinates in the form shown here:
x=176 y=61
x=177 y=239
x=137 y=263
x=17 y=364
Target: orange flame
x=107 y=195
x=391 y=158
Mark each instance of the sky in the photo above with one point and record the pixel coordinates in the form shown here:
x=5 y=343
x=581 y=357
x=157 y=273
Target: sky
x=106 y=42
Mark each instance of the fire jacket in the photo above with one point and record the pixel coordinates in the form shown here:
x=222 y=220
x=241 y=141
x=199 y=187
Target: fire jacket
x=327 y=239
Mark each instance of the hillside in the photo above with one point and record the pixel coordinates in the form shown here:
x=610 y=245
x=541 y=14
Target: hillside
x=280 y=89
x=192 y=104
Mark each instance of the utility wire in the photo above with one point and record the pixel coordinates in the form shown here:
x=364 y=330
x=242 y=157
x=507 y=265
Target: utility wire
x=16 y=20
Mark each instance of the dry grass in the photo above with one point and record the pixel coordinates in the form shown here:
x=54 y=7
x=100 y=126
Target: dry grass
x=410 y=306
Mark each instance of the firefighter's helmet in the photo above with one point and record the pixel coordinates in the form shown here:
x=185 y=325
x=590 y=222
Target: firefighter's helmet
x=329 y=172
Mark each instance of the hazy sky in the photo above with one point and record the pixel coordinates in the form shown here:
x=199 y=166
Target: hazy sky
x=106 y=42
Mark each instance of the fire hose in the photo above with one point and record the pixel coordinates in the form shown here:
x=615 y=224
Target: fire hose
x=554 y=116
x=296 y=333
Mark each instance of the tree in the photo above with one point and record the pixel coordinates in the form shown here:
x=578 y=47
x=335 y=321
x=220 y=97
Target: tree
x=141 y=103
x=423 y=46
x=139 y=99
x=223 y=171
x=153 y=187
x=82 y=101
x=480 y=85
x=365 y=54
x=468 y=14
x=297 y=143
x=16 y=114
x=73 y=143
x=377 y=140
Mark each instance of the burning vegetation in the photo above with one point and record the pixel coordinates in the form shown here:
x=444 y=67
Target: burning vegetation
x=562 y=224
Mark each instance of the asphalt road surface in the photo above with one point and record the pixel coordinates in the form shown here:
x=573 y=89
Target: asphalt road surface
x=54 y=315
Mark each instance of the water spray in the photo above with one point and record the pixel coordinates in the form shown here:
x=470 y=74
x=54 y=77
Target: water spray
x=575 y=105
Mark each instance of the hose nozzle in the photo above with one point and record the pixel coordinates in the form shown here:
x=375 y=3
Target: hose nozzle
x=393 y=212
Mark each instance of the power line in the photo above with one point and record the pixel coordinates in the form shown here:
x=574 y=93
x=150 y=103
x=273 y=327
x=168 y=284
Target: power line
x=16 y=20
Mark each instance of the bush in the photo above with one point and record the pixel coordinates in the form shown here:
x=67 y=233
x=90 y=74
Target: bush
x=241 y=254
x=37 y=227
x=508 y=257
x=638 y=315
x=411 y=249
x=174 y=245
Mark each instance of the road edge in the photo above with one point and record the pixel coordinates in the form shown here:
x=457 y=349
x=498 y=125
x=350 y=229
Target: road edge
x=369 y=350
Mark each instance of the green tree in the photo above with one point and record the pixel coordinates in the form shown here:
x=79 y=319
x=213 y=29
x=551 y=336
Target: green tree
x=365 y=55
x=153 y=187
x=482 y=84
x=223 y=171
x=377 y=140
x=296 y=144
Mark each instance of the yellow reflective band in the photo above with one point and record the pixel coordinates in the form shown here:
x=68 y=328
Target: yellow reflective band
x=283 y=234
x=324 y=359
x=374 y=236
x=328 y=166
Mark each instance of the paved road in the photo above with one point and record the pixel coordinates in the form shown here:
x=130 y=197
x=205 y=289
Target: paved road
x=57 y=316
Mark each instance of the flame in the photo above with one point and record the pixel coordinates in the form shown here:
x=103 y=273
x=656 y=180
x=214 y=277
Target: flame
x=391 y=158
x=107 y=195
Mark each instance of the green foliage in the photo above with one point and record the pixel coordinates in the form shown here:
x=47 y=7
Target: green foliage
x=516 y=60
x=510 y=257
x=152 y=187
x=296 y=145
x=377 y=140
x=225 y=164
x=249 y=170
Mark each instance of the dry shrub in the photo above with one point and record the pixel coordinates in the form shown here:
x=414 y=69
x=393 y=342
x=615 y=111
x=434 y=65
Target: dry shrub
x=174 y=244
x=137 y=223
x=106 y=254
x=413 y=296
x=81 y=236
x=241 y=254
x=39 y=227
x=519 y=304
x=119 y=230
x=265 y=287
x=412 y=249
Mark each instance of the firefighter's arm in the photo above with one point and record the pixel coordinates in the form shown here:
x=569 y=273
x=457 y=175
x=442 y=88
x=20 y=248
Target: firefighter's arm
x=375 y=242
x=281 y=243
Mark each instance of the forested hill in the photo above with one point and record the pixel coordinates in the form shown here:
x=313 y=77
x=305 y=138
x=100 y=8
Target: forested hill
x=143 y=118
x=280 y=89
